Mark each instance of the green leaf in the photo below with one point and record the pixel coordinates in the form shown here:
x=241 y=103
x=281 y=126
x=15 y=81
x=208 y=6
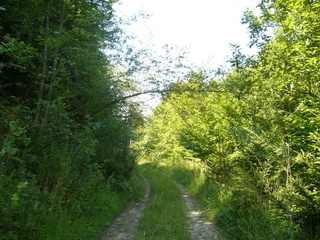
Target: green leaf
x=17 y=159
x=15 y=198
x=12 y=150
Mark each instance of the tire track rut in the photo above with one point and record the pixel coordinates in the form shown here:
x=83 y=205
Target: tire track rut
x=199 y=226
x=125 y=225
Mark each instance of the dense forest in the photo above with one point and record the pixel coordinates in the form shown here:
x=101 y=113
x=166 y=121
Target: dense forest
x=70 y=139
x=63 y=156
x=255 y=128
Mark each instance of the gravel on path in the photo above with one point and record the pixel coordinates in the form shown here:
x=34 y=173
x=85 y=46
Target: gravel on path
x=199 y=227
x=125 y=225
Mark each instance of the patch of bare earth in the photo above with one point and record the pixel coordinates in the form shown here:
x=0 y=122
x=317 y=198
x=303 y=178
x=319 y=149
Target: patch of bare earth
x=124 y=226
x=199 y=227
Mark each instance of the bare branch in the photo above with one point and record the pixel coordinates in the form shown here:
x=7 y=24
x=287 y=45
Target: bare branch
x=153 y=91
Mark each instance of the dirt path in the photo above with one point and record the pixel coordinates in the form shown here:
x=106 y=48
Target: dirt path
x=199 y=227
x=124 y=226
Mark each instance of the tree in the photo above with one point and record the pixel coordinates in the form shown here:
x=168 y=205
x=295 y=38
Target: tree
x=260 y=133
x=55 y=74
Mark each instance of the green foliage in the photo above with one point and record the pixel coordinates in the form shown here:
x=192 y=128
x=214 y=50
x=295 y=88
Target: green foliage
x=235 y=206
x=260 y=136
x=59 y=155
x=86 y=213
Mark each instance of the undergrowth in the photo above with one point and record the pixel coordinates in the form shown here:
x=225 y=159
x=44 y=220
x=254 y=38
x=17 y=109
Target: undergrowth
x=236 y=208
x=104 y=205
x=56 y=219
x=61 y=191
x=88 y=212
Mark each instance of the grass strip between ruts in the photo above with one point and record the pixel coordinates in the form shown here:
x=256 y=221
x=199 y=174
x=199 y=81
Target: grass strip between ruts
x=165 y=216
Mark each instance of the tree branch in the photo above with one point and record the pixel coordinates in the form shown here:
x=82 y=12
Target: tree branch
x=153 y=91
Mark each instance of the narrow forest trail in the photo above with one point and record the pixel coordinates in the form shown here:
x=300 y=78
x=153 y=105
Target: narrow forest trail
x=127 y=226
x=200 y=227
x=124 y=226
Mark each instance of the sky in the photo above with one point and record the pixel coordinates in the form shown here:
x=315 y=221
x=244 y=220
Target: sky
x=204 y=27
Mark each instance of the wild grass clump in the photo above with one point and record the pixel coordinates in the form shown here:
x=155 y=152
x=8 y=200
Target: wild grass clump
x=89 y=210
x=79 y=222
x=165 y=215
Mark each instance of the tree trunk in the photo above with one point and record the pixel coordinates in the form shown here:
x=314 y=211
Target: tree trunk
x=44 y=64
x=53 y=77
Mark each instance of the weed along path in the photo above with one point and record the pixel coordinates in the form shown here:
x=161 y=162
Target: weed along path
x=166 y=212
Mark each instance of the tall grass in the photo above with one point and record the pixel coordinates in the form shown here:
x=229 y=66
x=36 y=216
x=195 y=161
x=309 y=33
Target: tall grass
x=66 y=225
x=165 y=215
x=88 y=212
x=235 y=206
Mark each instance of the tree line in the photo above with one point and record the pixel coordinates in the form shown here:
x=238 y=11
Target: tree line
x=57 y=148
x=259 y=136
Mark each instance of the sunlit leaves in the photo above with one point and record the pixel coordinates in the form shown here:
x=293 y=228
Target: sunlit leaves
x=258 y=28
x=265 y=128
x=294 y=49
